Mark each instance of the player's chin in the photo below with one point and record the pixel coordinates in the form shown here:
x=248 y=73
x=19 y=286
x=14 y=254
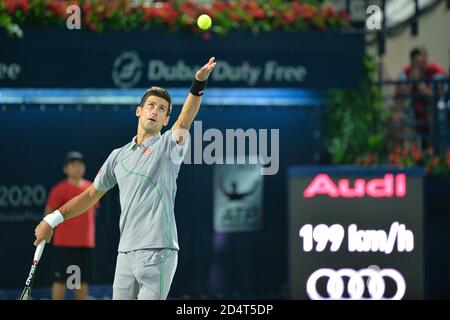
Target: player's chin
x=152 y=127
x=149 y=124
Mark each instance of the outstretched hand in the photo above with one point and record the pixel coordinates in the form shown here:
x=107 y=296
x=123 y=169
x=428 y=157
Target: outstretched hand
x=205 y=71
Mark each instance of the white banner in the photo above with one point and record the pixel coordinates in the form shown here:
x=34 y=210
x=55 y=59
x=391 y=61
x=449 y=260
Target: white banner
x=238 y=194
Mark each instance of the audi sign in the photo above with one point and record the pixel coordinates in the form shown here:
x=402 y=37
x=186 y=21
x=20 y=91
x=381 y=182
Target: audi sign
x=356 y=233
x=356 y=286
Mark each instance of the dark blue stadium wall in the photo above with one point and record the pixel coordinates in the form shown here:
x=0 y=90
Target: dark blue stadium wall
x=254 y=263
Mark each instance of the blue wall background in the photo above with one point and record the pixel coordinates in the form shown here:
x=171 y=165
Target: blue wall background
x=253 y=264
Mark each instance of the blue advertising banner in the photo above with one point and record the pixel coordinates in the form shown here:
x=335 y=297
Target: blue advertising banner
x=59 y=58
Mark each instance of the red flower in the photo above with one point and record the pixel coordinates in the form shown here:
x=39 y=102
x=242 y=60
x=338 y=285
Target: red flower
x=87 y=16
x=188 y=5
x=58 y=8
x=405 y=153
x=190 y=9
x=97 y=14
x=13 y=5
x=104 y=11
x=168 y=13
x=397 y=149
x=234 y=16
x=394 y=158
x=10 y=5
x=254 y=9
x=417 y=154
x=258 y=13
x=304 y=11
x=24 y=5
x=149 y=13
x=370 y=159
x=435 y=161
x=289 y=17
x=250 y=5
x=219 y=6
x=330 y=11
x=447 y=157
x=344 y=15
x=274 y=12
x=235 y=4
x=213 y=13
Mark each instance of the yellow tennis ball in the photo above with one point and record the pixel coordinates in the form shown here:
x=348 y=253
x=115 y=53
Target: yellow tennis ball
x=204 y=22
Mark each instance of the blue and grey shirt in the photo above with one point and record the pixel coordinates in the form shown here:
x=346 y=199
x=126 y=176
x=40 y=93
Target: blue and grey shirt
x=146 y=175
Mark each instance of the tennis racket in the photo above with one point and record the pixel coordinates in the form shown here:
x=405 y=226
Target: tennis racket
x=26 y=293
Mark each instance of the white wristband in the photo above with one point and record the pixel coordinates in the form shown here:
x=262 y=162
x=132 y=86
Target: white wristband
x=54 y=218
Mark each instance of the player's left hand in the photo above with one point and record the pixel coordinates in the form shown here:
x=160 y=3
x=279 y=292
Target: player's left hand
x=205 y=71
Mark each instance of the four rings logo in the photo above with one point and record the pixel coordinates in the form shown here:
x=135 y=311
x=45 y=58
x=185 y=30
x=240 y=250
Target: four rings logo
x=127 y=69
x=356 y=284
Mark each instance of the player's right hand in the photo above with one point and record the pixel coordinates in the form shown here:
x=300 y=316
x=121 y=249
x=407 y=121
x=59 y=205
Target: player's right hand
x=205 y=71
x=43 y=231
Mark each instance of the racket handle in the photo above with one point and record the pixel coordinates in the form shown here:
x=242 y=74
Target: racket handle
x=39 y=250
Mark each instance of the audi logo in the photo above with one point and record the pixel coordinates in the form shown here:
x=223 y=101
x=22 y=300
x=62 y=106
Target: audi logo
x=356 y=284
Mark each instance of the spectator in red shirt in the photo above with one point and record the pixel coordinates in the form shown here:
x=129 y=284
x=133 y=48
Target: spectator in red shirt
x=421 y=93
x=73 y=240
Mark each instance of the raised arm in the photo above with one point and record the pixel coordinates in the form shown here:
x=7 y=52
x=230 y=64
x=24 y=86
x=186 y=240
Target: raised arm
x=193 y=100
x=71 y=209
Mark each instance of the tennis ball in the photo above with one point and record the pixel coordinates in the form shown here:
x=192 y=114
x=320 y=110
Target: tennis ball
x=204 y=22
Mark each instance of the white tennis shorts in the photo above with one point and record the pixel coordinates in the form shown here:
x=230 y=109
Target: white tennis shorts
x=144 y=274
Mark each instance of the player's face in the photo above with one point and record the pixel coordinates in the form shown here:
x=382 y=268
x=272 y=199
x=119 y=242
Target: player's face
x=420 y=62
x=153 y=115
x=75 y=169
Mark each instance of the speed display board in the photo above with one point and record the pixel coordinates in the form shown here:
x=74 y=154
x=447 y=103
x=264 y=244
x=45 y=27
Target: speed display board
x=355 y=233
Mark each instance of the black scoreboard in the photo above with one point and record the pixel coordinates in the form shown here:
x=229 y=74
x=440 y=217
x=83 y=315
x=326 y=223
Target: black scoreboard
x=356 y=233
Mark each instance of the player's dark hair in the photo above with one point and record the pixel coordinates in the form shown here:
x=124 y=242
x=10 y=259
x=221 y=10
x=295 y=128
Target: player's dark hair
x=157 y=92
x=417 y=51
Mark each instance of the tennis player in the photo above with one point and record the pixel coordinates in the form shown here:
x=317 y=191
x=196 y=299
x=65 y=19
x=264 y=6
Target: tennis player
x=145 y=171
